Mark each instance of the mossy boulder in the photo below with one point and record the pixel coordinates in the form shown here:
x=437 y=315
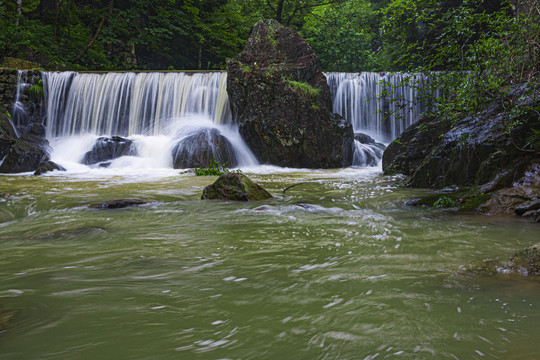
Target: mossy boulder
x=282 y=102
x=25 y=154
x=236 y=187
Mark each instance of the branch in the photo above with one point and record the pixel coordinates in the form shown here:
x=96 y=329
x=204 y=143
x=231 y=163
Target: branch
x=98 y=31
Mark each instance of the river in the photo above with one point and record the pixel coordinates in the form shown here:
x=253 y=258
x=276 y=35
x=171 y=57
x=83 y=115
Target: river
x=335 y=267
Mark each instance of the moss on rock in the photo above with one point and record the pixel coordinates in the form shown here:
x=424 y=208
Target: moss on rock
x=236 y=187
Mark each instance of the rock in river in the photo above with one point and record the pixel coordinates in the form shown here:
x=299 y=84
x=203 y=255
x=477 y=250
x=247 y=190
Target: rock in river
x=282 y=102
x=201 y=147
x=237 y=187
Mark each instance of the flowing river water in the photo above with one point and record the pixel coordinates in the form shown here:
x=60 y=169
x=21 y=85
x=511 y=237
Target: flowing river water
x=335 y=267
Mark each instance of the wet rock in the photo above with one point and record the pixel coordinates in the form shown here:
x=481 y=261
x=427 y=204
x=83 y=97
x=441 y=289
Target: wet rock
x=236 y=187
x=282 y=102
x=25 y=154
x=198 y=150
x=363 y=138
x=479 y=149
x=527 y=207
x=48 y=166
x=117 y=204
x=35 y=128
x=109 y=148
x=7 y=133
x=526 y=261
x=367 y=154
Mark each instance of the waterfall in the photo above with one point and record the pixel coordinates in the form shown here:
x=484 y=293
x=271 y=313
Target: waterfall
x=131 y=103
x=164 y=105
x=380 y=104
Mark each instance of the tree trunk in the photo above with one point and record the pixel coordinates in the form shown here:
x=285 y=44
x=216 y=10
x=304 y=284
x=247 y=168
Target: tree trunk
x=19 y=12
x=58 y=3
x=98 y=31
x=279 y=11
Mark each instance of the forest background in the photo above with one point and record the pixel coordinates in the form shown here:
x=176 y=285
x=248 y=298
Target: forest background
x=347 y=35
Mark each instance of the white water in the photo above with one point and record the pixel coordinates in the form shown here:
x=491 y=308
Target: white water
x=158 y=109
x=359 y=99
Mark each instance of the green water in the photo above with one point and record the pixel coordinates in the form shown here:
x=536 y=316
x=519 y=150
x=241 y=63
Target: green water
x=353 y=275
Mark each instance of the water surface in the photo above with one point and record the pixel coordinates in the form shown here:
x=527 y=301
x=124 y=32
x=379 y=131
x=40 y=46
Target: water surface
x=335 y=267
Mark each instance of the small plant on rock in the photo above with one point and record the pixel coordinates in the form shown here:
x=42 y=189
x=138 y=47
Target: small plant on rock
x=214 y=169
x=444 y=202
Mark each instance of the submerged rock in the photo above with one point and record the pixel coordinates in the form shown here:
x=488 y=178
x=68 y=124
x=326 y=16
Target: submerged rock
x=523 y=262
x=109 y=148
x=48 y=166
x=198 y=150
x=237 y=187
x=117 y=204
x=282 y=102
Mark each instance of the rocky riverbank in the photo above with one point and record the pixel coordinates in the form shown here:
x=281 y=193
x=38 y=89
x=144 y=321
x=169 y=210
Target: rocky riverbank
x=487 y=162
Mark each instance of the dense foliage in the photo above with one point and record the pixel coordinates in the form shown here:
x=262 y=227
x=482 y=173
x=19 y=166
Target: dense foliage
x=183 y=34
x=347 y=35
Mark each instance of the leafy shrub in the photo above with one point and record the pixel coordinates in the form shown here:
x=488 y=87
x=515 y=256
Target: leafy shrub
x=444 y=202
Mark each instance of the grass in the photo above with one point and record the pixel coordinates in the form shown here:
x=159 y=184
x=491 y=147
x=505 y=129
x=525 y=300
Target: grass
x=301 y=88
x=214 y=169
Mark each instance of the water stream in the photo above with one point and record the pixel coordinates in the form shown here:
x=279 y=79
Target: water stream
x=337 y=267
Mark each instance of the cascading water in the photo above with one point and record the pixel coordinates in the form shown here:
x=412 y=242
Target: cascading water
x=152 y=108
x=128 y=103
x=380 y=104
x=165 y=105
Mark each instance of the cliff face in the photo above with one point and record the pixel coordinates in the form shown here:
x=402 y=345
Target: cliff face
x=282 y=102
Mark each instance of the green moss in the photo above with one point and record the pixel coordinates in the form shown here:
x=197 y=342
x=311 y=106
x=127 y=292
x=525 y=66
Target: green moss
x=526 y=260
x=20 y=64
x=474 y=202
x=399 y=142
x=468 y=200
x=301 y=88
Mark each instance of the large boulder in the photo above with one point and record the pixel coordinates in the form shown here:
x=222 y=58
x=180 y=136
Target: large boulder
x=236 y=187
x=109 y=148
x=282 y=102
x=20 y=154
x=201 y=147
x=481 y=149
